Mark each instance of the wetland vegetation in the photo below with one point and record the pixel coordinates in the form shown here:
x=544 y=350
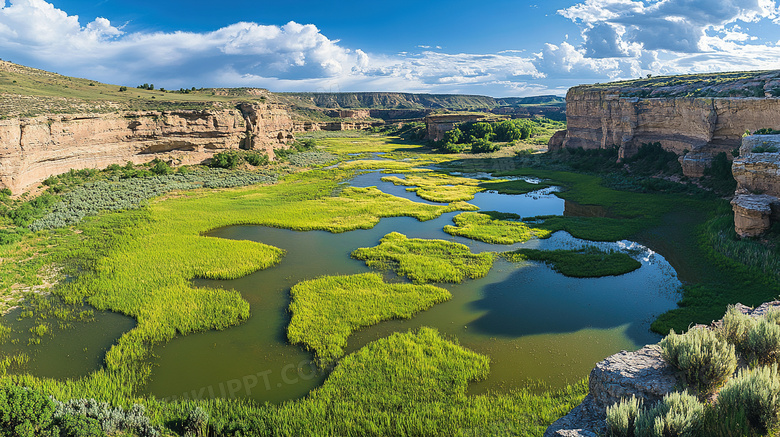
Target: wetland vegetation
x=149 y=260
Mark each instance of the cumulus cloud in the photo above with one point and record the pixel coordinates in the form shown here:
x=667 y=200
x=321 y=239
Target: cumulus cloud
x=631 y=38
x=289 y=57
x=609 y=27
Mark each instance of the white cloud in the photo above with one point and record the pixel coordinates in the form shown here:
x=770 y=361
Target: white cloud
x=289 y=57
x=631 y=38
x=608 y=27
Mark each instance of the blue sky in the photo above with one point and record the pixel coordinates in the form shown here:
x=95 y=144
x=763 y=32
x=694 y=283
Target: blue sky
x=498 y=48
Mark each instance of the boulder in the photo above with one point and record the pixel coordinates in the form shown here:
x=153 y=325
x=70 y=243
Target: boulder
x=643 y=374
x=753 y=213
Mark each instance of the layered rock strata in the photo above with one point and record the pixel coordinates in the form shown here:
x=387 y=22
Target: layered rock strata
x=695 y=128
x=437 y=125
x=32 y=149
x=756 y=202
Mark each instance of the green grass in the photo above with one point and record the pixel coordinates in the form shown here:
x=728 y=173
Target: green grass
x=512 y=187
x=483 y=227
x=140 y=263
x=31 y=92
x=425 y=261
x=438 y=187
x=411 y=383
x=589 y=262
x=325 y=311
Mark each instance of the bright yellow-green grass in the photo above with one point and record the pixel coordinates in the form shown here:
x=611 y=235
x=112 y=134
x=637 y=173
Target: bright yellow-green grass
x=589 y=262
x=483 y=227
x=425 y=261
x=366 y=144
x=438 y=187
x=146 y=269
x=383 y=164
x=326 y=310
x=411 y=383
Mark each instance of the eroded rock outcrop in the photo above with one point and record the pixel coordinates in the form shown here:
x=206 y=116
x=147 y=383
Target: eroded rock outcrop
x=756 y=202
x=696 y=128
x=437 y=125
x=32 y=149
x=643 y=374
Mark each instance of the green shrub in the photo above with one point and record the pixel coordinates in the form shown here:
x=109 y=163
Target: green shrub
x=228 y=159
x=196 y=424
x=79 y=426
x=160 y=167
x=735 y=327
x=678 y=414
x=256 y=158
x=758 y=340
x=621 y=417
x=450 y=147
x=763 y=342
x=755 y=395
x=706 y=360
x=764 y=149
x=24 y=412
x=482 y=145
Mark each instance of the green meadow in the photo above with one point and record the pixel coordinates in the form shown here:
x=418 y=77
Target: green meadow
x=425 y=261
x=484 y=227
x=589 y=262
x=325 y=311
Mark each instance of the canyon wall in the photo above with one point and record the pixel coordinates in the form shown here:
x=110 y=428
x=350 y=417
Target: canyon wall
x=32 y=149
x=756 y=202
x=696 y=127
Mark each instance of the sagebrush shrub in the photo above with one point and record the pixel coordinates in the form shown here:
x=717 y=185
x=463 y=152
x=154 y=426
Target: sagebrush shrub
x=735 y=327
x=763 y=342
x=757 y=339
x=754 y=394
x=706 y=360
x=621 y=417
x=678 y=414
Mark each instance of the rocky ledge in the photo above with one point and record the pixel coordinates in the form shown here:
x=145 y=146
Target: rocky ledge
x=756 y=202
x=695 y=117
x=644 y=374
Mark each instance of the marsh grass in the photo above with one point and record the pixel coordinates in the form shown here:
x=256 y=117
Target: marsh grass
x=588 y=262
x=425 y=261
x=483 y=227
x=512 y=187
x=140 y=263
x=410 y=383
x=325 y=311
x=438 y=187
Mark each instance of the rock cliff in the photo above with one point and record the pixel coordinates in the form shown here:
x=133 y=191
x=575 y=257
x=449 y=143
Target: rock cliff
x=694 y=116
x=756 y=202
x=31 y=149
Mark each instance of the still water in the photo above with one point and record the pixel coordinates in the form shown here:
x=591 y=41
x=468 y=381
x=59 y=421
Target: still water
x=533 y=323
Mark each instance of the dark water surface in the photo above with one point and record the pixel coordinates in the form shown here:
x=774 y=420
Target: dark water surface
x=533 y=323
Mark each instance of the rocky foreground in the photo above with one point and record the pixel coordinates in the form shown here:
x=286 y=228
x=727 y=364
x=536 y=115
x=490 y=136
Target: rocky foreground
x=644 y=374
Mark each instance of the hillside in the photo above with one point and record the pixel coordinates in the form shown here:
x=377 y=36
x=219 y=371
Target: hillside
x=28 y=92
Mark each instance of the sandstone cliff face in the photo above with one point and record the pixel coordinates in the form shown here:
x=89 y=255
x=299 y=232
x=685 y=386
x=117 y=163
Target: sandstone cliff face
x=437 y=125
x=599 y=117
x=32 y=149
x=756 y=202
